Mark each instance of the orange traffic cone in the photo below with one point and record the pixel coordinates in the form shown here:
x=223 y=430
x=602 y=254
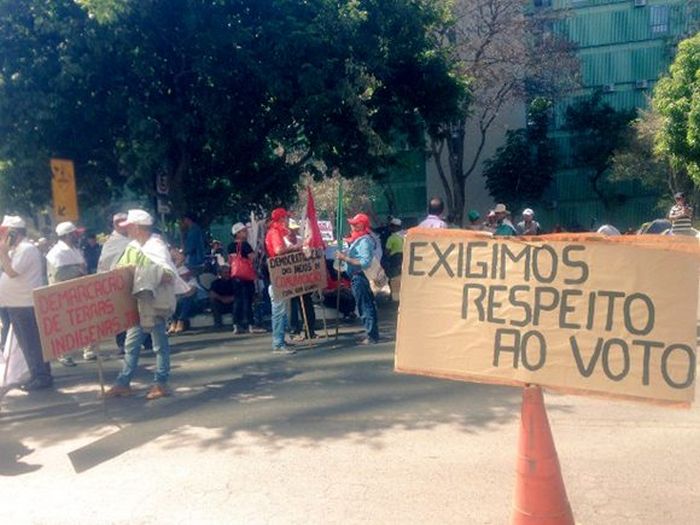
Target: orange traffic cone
x=540 y=496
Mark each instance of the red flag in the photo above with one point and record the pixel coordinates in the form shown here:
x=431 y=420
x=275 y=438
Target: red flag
x=312 y=233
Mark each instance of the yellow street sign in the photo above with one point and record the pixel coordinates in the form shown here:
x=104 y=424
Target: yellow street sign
x=65 y=200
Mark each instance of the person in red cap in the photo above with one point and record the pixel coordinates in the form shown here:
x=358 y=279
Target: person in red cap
x=359 y=258
x=276 y=243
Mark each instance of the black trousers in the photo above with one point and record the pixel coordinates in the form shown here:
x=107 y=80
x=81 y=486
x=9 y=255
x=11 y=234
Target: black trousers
x=27 y=332
x=243 y=302
x=218 y=309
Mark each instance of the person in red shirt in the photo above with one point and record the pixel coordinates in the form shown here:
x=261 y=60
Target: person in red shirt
x=276 y=243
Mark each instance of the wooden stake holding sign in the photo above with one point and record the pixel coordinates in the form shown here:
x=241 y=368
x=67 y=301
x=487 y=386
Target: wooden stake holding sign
x=582 y=314
x=306 y=319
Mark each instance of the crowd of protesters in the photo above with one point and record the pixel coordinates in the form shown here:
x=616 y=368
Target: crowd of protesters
x=193 y=276
x=188 y=277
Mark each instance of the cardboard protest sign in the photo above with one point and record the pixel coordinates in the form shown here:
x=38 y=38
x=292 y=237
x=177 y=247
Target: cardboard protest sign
x=326 y=228
x=297 y=273
x=83 y=311
x=581 y=314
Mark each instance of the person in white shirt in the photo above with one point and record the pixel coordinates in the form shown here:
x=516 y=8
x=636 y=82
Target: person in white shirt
x=112 y=250
x=64 y=262
x=528 y=226
x=436 y=207
x=22 y=272
x=114 y=246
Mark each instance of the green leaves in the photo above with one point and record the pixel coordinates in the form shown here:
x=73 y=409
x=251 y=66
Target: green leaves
x=105 y=11
x=232 y=99
x=522 y=169
x=677 y=99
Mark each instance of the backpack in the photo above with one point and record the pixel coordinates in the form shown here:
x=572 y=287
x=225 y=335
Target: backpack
x=375 y=272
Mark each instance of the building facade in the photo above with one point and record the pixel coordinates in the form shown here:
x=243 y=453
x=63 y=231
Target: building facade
x=624 y=47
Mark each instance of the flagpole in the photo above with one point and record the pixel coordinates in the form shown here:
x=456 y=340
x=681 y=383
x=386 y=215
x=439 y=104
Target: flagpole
x=339 y=233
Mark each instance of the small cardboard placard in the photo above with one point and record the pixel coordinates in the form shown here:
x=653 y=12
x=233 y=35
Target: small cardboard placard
x=76 y=313
x=612 y=317
x=326 y=228
x=297 y=273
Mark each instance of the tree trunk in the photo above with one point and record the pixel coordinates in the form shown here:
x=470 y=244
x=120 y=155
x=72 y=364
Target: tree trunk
x=455 y=148
x=595 y=184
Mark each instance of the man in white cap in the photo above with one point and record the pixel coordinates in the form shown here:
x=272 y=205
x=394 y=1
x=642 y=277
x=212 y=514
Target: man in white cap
x=147 y=250
x=609 y=230
x=112 y=250
x=65 y=262
x=394 y=247
x=529 y=226
x=22 y=272
x=114 y=246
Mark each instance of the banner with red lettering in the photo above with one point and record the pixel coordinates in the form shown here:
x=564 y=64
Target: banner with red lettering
x=76 y=313
x=297 y=273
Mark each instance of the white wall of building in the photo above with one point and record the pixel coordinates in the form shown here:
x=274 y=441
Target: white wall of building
x=477 y=196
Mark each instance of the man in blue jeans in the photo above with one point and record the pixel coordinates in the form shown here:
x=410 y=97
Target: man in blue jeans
x=147 y=250
x=359 y=257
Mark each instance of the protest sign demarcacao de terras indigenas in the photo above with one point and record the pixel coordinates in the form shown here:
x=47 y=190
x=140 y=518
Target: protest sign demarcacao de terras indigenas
x=76 y=313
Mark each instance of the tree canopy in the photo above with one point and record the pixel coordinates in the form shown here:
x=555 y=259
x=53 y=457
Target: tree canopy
x=598 y=130
x=522 y=169
x=232 y=100
x=677 y=100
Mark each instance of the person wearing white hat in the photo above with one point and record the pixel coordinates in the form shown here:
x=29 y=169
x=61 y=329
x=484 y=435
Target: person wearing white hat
x=243 y=275
x=145 y=251
x=394 y=243
x=22 y=272
x=529 y=226
x=65 y=262
x=394 y=255
x=112 y=250
x=114 y=246
x=609 y=230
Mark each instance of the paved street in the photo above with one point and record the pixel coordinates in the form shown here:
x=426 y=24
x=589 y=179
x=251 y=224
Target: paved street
x=330 y=435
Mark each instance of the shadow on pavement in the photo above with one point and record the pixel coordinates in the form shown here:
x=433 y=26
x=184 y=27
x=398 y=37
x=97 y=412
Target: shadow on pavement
x=235 y=385
x=11 y=454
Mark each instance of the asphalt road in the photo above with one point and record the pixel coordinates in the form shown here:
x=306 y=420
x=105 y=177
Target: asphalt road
x=330 y=435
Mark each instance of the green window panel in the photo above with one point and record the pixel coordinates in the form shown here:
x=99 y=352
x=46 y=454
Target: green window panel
x=624 y=65
x=410 y=200
x=573 y=185
x=615 y=25
x=593 y=24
